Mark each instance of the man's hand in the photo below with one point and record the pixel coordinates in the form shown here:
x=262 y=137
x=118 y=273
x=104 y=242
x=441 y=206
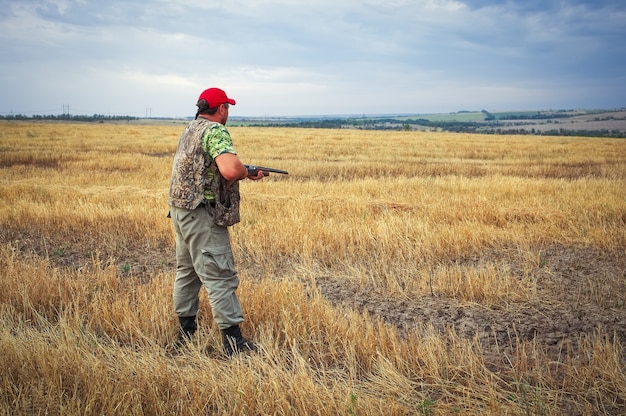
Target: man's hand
x=259 y=175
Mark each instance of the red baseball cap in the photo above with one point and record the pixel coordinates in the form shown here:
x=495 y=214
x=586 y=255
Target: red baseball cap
x=215 y=97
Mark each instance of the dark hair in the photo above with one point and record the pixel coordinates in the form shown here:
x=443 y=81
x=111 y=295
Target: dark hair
x=203 y=108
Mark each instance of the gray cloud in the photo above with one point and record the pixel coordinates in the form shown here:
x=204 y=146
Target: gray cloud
x=282 y=57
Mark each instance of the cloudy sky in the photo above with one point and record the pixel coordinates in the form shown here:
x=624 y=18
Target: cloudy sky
x=315 y=57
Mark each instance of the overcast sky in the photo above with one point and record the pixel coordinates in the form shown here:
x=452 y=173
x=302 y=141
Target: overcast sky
x=316 y=57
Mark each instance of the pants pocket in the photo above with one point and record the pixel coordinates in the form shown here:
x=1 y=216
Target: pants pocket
x=219 y=265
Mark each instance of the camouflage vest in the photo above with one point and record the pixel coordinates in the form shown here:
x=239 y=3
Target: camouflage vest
x=195 y=174
x=225 y=207
x=189 y=173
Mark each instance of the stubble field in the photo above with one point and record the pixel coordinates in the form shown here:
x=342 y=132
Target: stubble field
x=389 y=273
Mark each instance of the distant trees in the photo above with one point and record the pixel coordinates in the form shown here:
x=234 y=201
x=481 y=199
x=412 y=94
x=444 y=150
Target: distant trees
x=68 y=117
x=492 y=124
x=488 y=115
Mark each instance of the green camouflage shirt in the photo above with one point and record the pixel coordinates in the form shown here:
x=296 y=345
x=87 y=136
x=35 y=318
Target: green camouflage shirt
x=216 y=141
x=200 y=143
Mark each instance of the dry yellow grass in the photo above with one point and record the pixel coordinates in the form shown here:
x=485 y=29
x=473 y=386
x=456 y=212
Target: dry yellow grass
x=86 y=322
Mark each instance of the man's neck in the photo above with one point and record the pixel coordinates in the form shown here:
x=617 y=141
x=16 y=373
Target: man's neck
x=208 y=117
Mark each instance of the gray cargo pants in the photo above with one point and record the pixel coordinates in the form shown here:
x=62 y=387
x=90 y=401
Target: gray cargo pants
x=204 y=258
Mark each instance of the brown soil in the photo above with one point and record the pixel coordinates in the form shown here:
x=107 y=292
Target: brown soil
x=580 y=292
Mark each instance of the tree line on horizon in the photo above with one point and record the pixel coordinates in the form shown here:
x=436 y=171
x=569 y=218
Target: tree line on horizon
x=67 y=117
x=492 y=123
x=486 y=127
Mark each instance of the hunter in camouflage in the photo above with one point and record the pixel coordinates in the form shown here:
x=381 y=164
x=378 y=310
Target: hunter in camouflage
x=204 y=200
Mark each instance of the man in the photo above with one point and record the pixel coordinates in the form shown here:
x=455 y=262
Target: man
x=204 y=257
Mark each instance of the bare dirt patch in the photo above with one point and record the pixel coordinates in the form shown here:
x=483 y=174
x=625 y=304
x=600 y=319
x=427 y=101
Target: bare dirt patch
x=580 y=292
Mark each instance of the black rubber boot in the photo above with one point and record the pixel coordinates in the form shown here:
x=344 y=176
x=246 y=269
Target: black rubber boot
x=186 y=330
x=234 y=342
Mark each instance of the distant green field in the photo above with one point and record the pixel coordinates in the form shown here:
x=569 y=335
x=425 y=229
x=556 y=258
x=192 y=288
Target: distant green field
x=463 y=116
x=503 y=115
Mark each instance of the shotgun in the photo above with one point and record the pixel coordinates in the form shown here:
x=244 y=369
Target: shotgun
x=254 y=170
